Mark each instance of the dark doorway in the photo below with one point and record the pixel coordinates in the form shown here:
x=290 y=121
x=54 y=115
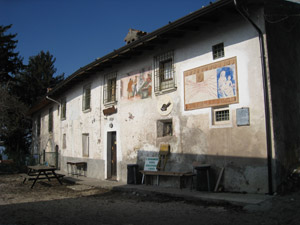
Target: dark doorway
x=112 y=155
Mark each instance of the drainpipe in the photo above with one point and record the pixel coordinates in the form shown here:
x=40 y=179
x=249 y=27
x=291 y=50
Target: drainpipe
x=51 y=99
x=266 y=95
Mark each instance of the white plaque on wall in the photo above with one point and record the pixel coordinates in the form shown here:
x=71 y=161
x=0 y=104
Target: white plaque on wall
x=242 y=117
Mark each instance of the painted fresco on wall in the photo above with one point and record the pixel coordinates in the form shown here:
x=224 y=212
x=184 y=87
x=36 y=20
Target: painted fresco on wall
x=211 y=85
x=137 y=85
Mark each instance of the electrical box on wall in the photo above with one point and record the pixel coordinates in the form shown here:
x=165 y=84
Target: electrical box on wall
x=242 y=117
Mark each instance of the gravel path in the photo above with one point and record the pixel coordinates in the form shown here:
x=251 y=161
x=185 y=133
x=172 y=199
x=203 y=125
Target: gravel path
x=52 y=203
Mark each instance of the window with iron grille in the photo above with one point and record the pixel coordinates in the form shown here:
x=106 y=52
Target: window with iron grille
x=164 y=72
x=218 y=51
x=86 y=99
x=110 y=88
x=63 y=108
x=221 y=116
x=50 y=120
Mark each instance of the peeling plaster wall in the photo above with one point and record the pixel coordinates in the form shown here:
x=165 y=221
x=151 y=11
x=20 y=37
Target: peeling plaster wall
x=240 y=150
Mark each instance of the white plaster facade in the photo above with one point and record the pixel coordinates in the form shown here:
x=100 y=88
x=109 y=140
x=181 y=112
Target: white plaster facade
x=241 y=150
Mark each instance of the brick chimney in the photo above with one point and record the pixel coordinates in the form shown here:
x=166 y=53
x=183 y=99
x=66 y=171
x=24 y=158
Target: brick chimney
x=134 y=35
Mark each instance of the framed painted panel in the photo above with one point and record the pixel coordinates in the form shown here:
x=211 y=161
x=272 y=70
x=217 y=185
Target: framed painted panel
x=137 y=85
x=210 y=85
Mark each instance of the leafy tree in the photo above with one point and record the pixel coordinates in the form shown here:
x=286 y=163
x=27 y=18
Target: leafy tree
x=37 y=77
x=10 y=61
x=14 y=126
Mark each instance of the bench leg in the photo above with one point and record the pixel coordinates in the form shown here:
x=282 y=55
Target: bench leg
x=208 y=182
x=143 y=179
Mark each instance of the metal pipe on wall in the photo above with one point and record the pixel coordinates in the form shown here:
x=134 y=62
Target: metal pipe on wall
x=266 y=95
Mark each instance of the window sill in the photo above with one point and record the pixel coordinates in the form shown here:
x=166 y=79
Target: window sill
x=165 y=138
x=87 y=110
x=108 y=104
x=165 y=91
x=222 y=125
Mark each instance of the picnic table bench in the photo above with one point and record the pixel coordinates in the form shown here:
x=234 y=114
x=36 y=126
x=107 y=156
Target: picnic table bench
x=181 y=175
x=41 y=172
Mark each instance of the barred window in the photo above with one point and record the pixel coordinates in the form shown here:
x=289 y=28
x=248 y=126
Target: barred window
x=110 y=88
x=164 y=72
x=86 y=99
x=221 y=116
x=218 y=51
x=63 y=109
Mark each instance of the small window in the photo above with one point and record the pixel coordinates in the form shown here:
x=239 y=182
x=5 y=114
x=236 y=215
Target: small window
x=221 y=116
x=85 y=145
x=38 y=125
x=164 y=128
x=63 y=109
x=64 y=144
x=110 y=88
x=218 y=51
x=86 y=100
x=164 y=72
x=50 y=120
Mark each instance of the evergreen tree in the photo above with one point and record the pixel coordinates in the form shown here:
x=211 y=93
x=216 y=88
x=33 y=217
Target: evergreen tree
x=20 y=87
x=10 y=61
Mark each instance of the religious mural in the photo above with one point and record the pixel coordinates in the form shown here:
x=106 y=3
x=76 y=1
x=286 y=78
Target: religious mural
x=211 y=85
x=137 y=85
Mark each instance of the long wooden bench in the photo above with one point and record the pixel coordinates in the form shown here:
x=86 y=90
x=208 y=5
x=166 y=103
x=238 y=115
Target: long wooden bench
x=74 y=168
x=181 y=175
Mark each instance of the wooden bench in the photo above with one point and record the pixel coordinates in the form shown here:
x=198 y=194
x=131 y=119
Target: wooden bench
x=74 y=167
x=181 y=175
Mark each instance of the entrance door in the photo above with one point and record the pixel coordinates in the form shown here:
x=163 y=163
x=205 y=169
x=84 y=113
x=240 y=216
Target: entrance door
x=112 y=155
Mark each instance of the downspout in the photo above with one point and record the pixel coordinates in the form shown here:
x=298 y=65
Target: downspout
x=266 y=95
x=51 y=99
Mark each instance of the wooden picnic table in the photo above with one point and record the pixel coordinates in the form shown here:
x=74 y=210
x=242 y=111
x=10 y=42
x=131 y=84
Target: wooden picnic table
x=37 y=171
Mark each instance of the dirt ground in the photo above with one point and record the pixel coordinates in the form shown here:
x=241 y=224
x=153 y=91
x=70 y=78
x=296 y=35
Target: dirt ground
x=52 y=203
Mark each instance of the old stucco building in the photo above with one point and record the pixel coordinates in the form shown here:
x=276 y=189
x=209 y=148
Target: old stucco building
x=219 y=85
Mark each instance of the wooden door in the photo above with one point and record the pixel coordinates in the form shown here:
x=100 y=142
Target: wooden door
x=112 y=155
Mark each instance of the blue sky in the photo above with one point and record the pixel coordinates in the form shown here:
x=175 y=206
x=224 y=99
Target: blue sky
x=76 y=32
